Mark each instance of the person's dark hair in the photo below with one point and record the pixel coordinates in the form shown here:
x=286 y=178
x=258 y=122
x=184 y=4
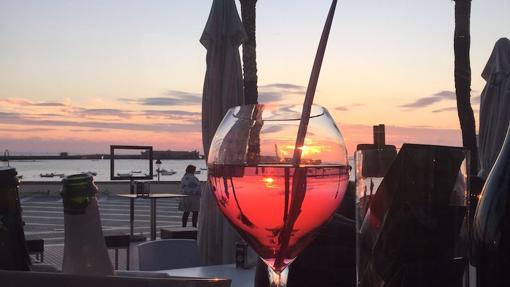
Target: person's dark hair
x=191 y=169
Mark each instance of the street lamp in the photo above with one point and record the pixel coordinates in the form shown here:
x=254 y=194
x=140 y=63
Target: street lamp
x=6 y=157
x=158 y=165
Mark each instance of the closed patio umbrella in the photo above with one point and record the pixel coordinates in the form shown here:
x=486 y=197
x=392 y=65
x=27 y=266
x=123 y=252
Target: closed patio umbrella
x=223 y=89
x=494 y=105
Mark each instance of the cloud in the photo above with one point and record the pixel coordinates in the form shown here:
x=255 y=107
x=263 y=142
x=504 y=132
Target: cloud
x=269 y=97
x=342 y=109
x=16 y=102
x=25 y=102
x=270 y=93
x=429 y=100
x=24 y=130
x=49 y=104
x=277 y=92
x=8 y=115
x=86 y=130
x=105 y=112
x=423 y=102
x=450 y=95
x=285 y=87
x=163 y=127
x=449 y=109
x=95 y=119
x=172 y=114
x=169 y=98
x=48 y=115
x=273 y=129
x=475 y=100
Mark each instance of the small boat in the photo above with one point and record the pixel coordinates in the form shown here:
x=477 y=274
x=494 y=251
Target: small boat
x=167 y=172
x=203 y=168
x=197 y=171
x=136 y=171
x=124 y=174
x=52 y=174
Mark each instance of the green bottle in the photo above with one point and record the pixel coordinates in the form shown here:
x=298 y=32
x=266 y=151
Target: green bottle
x=85 y=250
x=13 y=249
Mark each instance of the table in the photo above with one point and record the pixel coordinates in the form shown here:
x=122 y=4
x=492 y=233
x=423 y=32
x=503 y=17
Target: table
x=153 y=197
x=240 y=277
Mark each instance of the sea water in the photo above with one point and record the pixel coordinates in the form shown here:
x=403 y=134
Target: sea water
x=31 y=170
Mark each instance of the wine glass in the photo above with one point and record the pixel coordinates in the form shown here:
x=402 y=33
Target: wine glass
x=276 y=205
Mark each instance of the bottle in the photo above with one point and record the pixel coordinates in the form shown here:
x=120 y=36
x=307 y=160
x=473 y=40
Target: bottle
x=85 y=249
x=13 y=248
x=491 y=226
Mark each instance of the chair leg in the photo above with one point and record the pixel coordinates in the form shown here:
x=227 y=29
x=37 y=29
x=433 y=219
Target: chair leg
x=116 y=259
x=127 y=258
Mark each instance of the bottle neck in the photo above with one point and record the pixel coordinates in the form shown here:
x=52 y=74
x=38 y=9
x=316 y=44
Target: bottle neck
x=77 y=193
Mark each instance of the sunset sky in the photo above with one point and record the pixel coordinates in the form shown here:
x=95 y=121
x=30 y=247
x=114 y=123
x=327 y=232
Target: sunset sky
x=77 y=76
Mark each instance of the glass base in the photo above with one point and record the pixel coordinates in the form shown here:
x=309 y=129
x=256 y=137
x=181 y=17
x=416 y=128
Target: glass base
x=278 y=279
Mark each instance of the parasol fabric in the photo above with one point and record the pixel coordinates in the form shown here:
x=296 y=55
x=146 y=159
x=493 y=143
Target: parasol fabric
x=494 y=105
x=223 y=89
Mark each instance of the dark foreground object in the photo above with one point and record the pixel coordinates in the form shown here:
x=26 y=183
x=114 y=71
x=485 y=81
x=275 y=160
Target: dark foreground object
x=41 y=279
x=415 y=230
x=13 y=247
x=491 y=225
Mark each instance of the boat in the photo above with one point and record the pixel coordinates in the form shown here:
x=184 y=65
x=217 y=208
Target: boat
x=136 y=171
x=124 y=174
x=167 y=172
x=197 y=171
x=52 y=174
x=203 y=168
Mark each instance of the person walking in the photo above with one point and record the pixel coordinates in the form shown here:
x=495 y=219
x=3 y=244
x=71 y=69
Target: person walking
x=190 y=185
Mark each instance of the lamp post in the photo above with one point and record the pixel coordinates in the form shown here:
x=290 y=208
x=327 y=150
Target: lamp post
x=6 y=157
x=158 y=165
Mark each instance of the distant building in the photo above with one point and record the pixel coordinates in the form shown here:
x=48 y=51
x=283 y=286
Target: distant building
x=173 y=154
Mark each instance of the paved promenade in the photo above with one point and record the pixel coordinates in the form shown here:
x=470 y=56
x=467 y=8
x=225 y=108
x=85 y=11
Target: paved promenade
x=44 y=218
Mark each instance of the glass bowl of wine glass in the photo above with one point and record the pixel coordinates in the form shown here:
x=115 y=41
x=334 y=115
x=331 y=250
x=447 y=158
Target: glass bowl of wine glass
x=275 y=202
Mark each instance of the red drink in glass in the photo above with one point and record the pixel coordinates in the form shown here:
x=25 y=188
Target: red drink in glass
x=257 y=200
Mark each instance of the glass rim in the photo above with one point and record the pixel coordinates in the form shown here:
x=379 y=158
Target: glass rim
x=276 y=112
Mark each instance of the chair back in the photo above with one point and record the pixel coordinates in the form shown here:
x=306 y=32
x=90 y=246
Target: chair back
x=37 y=279
x=168 y=254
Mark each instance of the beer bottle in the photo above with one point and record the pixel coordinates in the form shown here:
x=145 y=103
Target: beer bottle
x=84 y=246
x=13 y=248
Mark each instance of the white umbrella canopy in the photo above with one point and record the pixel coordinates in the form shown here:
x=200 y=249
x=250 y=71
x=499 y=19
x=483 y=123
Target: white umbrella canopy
x=494 y=105
x=223 y=89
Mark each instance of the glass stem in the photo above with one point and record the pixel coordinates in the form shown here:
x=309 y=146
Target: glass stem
x=278 y=279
